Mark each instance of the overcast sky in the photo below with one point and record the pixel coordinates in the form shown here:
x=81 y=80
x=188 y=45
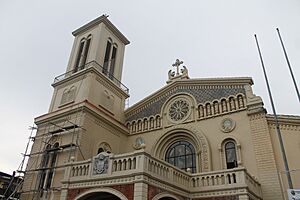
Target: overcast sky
x=213 y=38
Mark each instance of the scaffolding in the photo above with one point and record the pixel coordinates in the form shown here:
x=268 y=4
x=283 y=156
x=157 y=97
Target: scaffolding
x=37 y=165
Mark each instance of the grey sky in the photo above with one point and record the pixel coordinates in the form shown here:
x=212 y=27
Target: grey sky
x=213 y=38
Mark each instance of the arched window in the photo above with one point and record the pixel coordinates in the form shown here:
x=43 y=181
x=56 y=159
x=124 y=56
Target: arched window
x=100 y=150
x=216 y=107
x=232 y=103
x=224 y=105
x=182 y=155
x=208 y=109
x=104 y=147
x=201 y=111
x=240 y=101
x=110 y=58
x=157 y=121
x=145 y=124
x=54 y=151
x=44 y=164
x=82 y=53
x=230 y=153
x=48 y=167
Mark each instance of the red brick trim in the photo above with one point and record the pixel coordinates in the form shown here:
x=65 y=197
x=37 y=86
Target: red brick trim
x=127 y=190
x=153 y=191
x=235 y=197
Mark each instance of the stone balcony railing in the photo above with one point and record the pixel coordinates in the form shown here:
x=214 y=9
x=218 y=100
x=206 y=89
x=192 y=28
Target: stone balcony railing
x=92 y=65
x=109 y=167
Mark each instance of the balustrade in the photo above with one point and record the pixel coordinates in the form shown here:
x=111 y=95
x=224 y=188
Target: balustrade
x=131 y=164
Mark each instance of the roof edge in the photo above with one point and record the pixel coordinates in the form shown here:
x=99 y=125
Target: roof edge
x=102 y=19
x=284 y=119
x=200 y=81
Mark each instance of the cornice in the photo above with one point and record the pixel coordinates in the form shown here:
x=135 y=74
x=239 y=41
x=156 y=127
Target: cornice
x=284 y=119
x=201 y=82
x=82 y=106
x=97 y=21
x=100 y=77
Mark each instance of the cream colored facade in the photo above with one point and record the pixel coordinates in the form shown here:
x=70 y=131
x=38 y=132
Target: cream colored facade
x=87 y=116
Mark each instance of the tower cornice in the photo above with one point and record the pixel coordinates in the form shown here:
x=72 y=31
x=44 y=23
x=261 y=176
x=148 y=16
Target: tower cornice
x=102 y=19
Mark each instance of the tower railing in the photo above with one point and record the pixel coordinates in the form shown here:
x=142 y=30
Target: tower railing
x=100 y=68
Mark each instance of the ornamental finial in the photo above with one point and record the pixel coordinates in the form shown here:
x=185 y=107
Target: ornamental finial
x=177 y=64
x=179 y=73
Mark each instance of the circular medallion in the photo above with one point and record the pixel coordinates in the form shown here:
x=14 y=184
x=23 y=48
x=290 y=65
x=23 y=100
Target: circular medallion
x=139 y=143
x=227 y=125
x=179 y=110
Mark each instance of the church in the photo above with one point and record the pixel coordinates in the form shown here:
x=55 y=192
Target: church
x=193 y=139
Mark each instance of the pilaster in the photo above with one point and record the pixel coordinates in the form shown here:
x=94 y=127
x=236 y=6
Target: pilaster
x=265 y=160
x=243 y=197
x=140 y=191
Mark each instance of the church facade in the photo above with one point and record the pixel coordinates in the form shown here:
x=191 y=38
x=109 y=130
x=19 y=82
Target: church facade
x=206 y=138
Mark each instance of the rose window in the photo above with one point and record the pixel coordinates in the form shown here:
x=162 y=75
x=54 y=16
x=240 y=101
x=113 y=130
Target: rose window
x=179 y=110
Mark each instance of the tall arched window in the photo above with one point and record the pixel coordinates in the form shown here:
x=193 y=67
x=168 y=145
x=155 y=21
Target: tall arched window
x=43 y=166
x=48 y=167
x=182 y=155
x=230 y=153
x=54 y=151
x=110 y=58
x=82 y=53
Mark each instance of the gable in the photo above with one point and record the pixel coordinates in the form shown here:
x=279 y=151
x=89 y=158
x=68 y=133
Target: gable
x=201 y=92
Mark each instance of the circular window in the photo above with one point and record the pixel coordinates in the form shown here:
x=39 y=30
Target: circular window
x=179 y=110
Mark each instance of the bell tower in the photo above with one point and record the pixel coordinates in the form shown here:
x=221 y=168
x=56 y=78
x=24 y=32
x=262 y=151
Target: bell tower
x=86 y=113
x=99 y=41
x=99 y=47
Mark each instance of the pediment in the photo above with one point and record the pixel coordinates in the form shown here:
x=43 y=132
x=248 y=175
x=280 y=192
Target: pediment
x=202 y=91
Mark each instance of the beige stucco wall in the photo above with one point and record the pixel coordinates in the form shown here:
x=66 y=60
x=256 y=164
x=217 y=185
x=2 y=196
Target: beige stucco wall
x=291 y=139
x=211 y=130
x=100 y=35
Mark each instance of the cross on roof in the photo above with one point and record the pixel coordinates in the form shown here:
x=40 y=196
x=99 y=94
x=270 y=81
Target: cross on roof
x=177 y=64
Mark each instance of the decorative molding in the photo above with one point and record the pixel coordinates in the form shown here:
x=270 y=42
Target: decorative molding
x=106 y=189
x=104 y=182
x=102 y=19
x=100 y=163
x=202 y=94
x=139 y=143
x=227 y=125
x=191 y=134
x=288 y=127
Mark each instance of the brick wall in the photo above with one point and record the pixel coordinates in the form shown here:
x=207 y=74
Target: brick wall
x=127 y=190
x=153 y=191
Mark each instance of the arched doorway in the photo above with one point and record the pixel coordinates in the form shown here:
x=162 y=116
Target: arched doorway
x=99 y=196
x=167 y=198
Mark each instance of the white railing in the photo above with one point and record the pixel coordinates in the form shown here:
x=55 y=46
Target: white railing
x=131 y=164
